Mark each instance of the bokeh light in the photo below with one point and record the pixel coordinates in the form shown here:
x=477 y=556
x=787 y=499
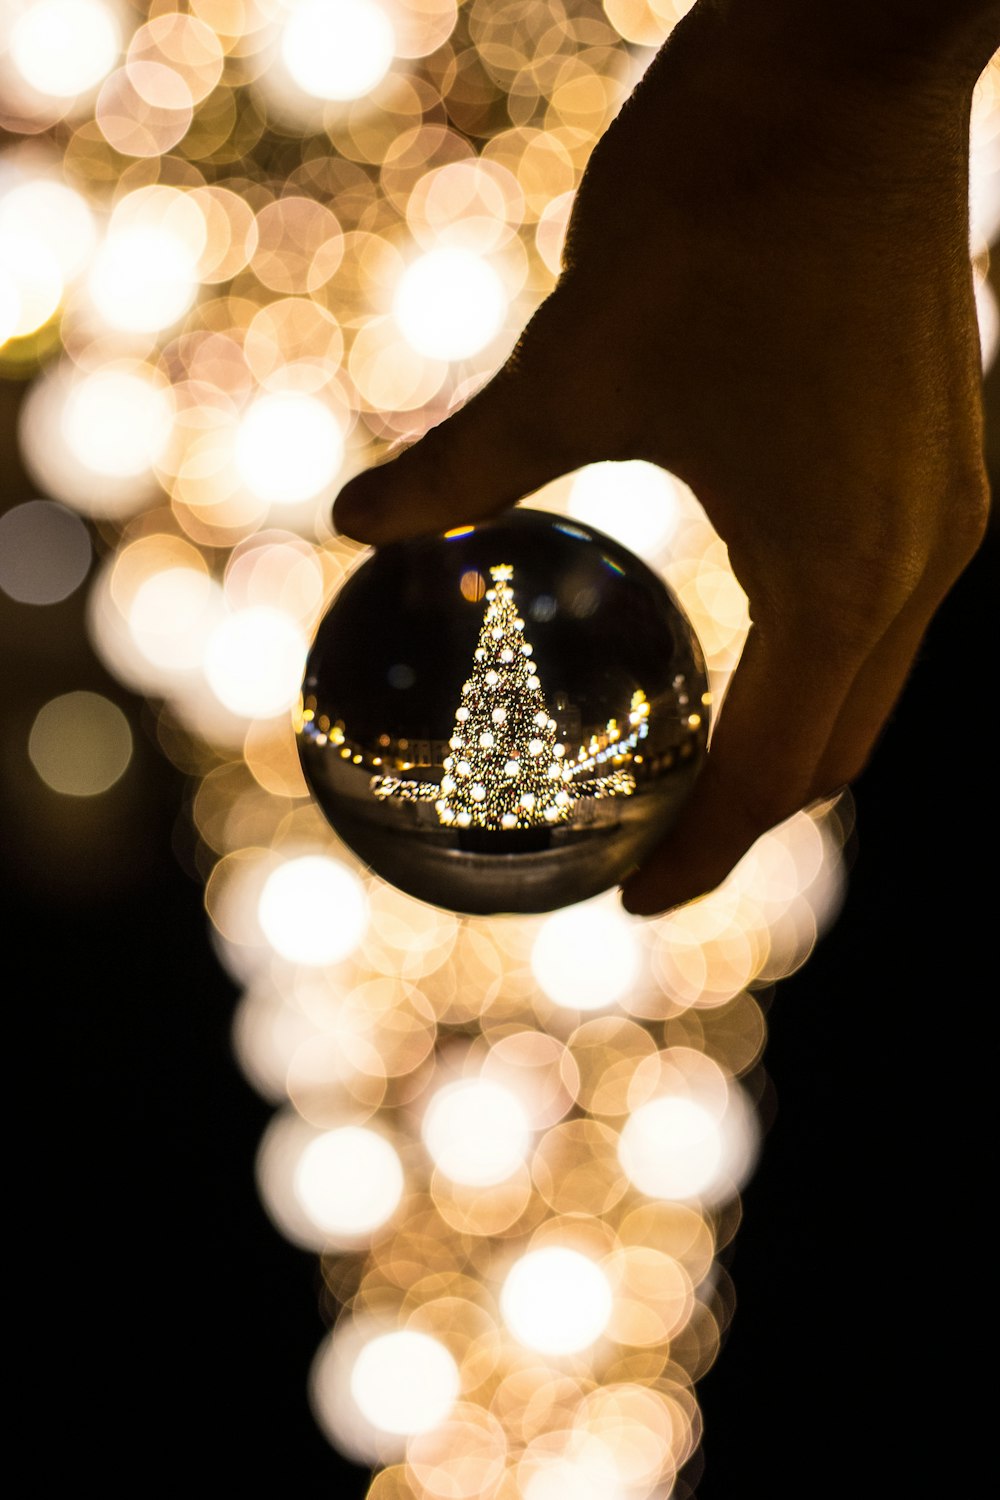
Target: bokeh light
x=477 y=1131
x=288 y=447
x=116 y=422
x=404 y=1382
x=93 y=439
x=171 y=616
x=337 y=51
x=449 y=303
x=53 y=219
x=587 y=957
x=556 y=1300
x=313 y=910
x=45 y=552
x=65 y=47
x=145 y=274
x=80 y=744
x=254 y=660
x=634 y=502
x=349 y=1181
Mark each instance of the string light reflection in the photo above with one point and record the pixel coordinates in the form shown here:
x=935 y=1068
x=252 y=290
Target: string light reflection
x=245 y=249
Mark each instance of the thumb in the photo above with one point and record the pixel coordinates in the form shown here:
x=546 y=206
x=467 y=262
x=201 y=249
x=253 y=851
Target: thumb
x=506 y=442
x=766 y=760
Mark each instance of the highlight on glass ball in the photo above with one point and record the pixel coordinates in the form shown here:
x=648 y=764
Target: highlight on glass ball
x=505 y=718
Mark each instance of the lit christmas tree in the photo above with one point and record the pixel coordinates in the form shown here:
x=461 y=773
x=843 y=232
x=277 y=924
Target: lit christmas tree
x=506 y=769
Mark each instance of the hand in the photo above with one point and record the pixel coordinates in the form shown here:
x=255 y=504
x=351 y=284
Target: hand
x=767 y=292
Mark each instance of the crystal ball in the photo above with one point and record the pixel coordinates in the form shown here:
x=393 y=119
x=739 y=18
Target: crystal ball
x=505 y=718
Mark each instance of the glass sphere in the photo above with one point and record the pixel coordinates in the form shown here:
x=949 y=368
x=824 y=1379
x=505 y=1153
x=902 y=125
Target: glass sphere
x=505 y=718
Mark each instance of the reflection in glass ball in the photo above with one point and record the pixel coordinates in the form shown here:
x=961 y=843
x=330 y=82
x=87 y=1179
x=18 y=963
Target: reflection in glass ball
x=505 y=718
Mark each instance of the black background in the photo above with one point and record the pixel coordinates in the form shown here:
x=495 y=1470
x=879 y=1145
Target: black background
x=164 y=1329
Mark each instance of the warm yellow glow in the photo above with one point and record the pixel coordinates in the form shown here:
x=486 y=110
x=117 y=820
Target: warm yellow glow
x=349 y=1181
x=647 y=23
x=587 y=957
x=449 y=304
x=553 y=1476
x=461 y=1458
x=254 y=660
x=672 y=1148
x=312 y=910
x=473 y=204
x=683 y=1147
x=117 y=421
x=388 y=372
x=337 y=51
x=550 y=231
x=145 y=275
x=182 y=45
x=10 y=309
x=31 y=284
x=65 y=47
x=477 y=1131
x=634 y=502
x=171 y=616
x=80 y=744
x=52 y=217
x=556 y=1300
x=405 y=1382
x=288 y=447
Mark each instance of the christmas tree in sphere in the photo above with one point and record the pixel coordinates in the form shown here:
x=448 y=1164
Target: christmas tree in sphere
x=503 y=717
x=507 y=769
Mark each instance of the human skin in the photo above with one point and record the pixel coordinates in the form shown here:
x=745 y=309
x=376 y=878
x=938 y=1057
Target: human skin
x=767 y=291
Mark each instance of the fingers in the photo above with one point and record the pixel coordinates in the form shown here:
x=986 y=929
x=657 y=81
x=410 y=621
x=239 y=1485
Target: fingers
x=766 y=759
x=793 y=728
x=874 y=693
x=499 y=447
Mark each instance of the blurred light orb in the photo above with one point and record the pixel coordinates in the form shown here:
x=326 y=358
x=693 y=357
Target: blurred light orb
x=405 y=1382
x=65 y=47
x=44 y=552
x=556 y=1300
x=144 y=277
x=672 y=1148
x=289 y=447
x=338 y=51
x=559 y=1475
x=117 y=422
x=449 y=303
x=254 y=659
x=10 y=309
x=349 y=1181
x=313 y=910
x=52 y=217
x=31 y=284
x=636 y=502
x=80 y=744
x=171 y=615
x=477 y=1132
x=586 y=957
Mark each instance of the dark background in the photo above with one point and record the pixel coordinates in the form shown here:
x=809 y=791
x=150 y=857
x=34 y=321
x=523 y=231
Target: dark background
x=164 y=1328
